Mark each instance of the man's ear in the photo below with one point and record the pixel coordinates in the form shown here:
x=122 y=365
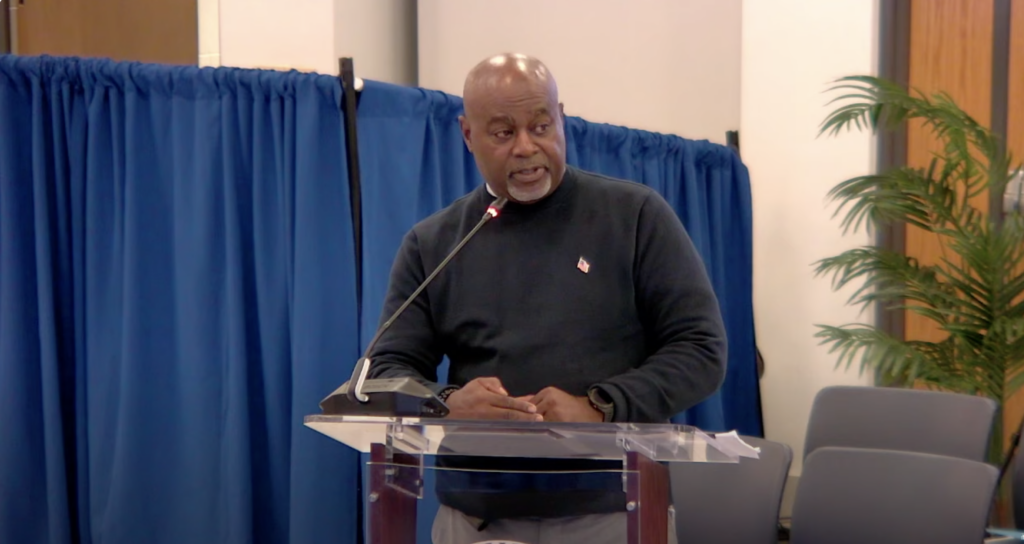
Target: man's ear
x=464 y=125
x=561 y=112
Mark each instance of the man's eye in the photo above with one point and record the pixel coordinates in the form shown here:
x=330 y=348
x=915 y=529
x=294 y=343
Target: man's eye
x=541 y=129
x=503 y=133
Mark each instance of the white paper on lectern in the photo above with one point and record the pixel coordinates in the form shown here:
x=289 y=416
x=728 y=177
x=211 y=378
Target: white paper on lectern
x=732 y=441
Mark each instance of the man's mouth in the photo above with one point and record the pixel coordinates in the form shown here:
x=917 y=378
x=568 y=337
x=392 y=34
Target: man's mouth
x=527 y=175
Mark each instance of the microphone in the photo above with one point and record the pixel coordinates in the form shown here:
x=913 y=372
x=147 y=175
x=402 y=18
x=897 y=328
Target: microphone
x=396 y=396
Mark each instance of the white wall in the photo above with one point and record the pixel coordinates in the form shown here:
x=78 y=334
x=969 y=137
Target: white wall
x=380 y=36
x=209 y=32
x=311 y=35
x=280 y=34
x=792 y=49
x=661 y=65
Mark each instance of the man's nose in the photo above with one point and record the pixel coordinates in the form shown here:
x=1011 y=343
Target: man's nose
x=525 y=146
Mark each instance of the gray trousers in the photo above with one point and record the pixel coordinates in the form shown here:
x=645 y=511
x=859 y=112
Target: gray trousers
x=454 y=527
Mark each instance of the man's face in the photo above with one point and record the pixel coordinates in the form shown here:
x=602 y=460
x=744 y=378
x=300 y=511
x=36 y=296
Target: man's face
x=517 y=135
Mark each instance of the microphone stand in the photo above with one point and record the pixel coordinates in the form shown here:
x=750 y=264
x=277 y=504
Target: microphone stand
x=397 y=396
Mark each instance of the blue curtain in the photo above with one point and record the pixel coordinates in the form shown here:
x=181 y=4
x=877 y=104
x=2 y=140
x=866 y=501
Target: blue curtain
x=414 y=162
x=177 y=292
x=178 y=288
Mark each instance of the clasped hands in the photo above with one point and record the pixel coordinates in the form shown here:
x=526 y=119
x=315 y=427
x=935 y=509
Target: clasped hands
x=485 y=398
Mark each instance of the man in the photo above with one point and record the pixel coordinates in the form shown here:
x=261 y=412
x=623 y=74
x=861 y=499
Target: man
x=584 y=301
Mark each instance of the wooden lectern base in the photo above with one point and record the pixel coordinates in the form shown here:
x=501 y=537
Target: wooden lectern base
x=393 y=494
x=647 y=489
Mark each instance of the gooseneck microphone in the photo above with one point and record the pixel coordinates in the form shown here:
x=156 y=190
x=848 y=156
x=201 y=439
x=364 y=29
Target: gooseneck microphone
x=397 y=396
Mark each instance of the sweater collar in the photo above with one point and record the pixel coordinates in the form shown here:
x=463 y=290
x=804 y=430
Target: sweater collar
x=557 y=197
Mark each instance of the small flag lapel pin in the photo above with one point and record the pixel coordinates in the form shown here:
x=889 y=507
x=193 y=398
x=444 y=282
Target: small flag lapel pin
x=583 y=265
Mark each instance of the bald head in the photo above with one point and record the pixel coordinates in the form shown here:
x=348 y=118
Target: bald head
x=514 y=127
x=504 y=71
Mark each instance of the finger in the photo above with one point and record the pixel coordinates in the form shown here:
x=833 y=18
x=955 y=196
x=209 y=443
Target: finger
x=512 y=403
x=541 y=396
x=493 y=385
x=545 y=405
x=550 y=409
x=550 y=394
x=554 y=392
x=526 y=398
x=517 y=415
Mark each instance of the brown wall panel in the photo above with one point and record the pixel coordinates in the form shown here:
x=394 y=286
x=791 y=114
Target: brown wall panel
x=950 y=51
x=163 y=31
x=51 y=27
x=1015 y=104
x=1014 y=409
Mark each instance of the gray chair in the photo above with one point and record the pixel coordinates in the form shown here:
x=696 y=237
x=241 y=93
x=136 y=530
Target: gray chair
x=856 y=495
x=726 y=503
x=913 y=420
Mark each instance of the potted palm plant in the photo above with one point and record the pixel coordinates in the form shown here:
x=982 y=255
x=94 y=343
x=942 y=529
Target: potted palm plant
x=974 y=293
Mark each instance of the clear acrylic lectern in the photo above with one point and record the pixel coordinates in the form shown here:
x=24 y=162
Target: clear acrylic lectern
x=399 y=445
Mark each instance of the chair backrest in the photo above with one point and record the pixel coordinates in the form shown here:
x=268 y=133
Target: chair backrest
x=887 y=418
x=731 y=503
x=884 y=496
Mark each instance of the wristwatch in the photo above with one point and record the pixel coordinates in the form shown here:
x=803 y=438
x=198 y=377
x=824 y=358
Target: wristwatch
x=447 y=392
x=600 y=402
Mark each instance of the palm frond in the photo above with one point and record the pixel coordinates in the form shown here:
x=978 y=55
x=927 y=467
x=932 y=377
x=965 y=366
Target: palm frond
x=882 y=198
x=874 y=348
x=886 y=276
x=974 y=293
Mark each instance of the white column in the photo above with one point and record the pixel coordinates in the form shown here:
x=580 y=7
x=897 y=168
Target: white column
x=792 y=50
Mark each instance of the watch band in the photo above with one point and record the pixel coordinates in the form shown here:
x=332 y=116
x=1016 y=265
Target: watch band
x=447 y=392
x=601 y=403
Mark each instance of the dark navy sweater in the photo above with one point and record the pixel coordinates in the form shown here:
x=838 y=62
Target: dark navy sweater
x=642 y=323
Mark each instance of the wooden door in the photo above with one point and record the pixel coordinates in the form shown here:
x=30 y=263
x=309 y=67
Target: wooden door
x=951 y=50
x=1014 y=411
x=160 y=31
